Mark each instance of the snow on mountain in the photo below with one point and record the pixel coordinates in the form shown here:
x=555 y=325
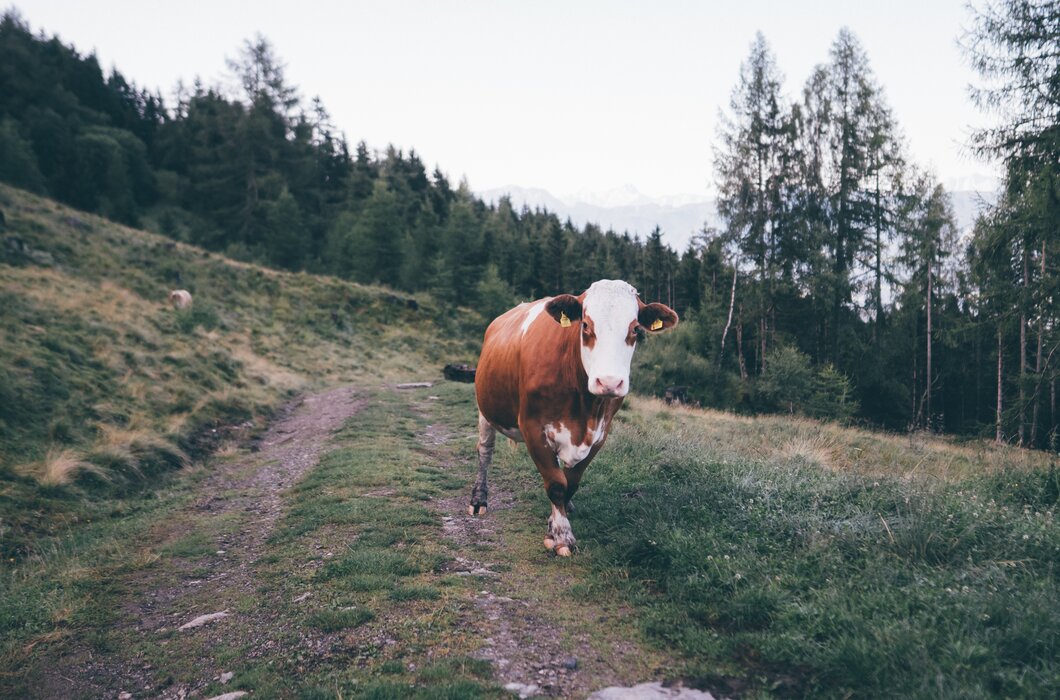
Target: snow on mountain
x=624 y=209
x=680 y=217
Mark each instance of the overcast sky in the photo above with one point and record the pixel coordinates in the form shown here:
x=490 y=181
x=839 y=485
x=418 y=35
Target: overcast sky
x=568 y=96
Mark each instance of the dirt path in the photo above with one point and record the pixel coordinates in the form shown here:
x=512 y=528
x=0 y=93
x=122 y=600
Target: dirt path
x=540 y=639
x=247 y=493
x=285 y=574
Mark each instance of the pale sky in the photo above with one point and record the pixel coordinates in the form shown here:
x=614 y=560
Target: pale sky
x=566 y=96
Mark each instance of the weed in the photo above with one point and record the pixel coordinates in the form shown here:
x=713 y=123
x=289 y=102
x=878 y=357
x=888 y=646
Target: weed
x=415 y=593
x=335 y=620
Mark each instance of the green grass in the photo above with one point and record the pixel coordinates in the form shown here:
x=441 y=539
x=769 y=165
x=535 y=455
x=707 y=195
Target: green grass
x=335 y=620
x=107 y=396
x=105 y=389
x=783 y=578
x=762 y=557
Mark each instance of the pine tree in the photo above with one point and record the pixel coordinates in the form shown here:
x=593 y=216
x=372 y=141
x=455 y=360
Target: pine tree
x=751 y=174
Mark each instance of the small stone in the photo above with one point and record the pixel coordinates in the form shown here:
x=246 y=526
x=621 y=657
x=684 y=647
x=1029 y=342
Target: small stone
x=229 y=696
x=302 y=597
x=226 y=676
x=203 y=619
x=650 y=691
x=523 y=690
x=124 y=695
x=221 y=551
x=570 y=663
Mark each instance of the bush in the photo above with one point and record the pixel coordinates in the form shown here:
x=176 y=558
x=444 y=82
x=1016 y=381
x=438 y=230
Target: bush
x=791 y=385
x=832 y=395
x=787 y=381
x=199 y=314
x=675 y=359
x=18 y=164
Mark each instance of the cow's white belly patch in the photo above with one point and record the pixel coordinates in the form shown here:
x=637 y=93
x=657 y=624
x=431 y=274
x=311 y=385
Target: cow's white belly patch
x=567 y=453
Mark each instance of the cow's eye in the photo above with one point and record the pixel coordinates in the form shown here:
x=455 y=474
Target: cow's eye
x=585 y=326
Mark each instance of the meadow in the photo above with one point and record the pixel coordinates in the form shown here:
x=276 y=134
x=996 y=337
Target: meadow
x=762 y=556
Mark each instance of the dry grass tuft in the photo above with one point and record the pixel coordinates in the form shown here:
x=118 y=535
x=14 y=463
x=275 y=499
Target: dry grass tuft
x=818 y=448
x=60 y=466
x=118 y=437
x=267 y=371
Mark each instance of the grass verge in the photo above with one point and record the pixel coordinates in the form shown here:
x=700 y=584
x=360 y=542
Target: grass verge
x=780 y=577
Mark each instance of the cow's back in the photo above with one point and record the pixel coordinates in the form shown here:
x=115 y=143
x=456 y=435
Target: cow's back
x=497 y=378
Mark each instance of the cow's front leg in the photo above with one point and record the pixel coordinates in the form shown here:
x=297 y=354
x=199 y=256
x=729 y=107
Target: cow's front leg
x=559 y=538
x=487 y=438
x=574 y=477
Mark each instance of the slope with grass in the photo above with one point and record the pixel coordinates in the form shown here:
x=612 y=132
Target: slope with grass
x=104 y=388
x=758 y=557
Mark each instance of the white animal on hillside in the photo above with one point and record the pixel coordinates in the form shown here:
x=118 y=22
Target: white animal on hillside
x=180 y=298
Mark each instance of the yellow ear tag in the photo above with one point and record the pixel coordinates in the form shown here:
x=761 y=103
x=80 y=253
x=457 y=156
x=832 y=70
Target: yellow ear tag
x=656 y=324
x=563 y=320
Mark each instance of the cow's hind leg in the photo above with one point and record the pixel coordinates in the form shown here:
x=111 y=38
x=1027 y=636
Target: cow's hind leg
x=487 y=437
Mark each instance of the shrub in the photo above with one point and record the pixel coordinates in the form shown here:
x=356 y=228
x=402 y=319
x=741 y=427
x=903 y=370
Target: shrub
x=199 y=314
x=787 y=381
x=833 y=395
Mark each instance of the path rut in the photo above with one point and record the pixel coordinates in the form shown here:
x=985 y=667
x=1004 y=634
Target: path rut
x=249 y=490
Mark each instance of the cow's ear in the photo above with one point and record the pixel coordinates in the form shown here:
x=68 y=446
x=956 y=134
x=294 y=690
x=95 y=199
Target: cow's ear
x=657 y=317
x=564 y=308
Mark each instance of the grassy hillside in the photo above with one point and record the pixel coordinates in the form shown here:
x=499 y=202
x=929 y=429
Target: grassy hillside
x=797 y=558
x=103 y=386
x=761 y=557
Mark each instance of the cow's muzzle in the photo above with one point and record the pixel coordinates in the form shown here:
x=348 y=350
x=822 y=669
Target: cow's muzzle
x=609 y=386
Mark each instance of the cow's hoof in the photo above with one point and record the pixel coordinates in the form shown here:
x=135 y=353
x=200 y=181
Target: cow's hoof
x=476 y=510
x=559 y=548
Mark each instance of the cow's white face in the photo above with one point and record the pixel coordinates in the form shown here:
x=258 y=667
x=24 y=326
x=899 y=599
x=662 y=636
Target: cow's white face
x=610 y=317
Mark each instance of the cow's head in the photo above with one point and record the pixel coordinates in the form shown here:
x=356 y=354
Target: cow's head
x=610 y=317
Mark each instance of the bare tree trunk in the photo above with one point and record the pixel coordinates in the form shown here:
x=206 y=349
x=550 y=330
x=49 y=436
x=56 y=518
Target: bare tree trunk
x=915 y=397
x=1038 y=365
x=998 y=437
x=732 y=303
x=927 y=369
x=739 y=346
x=1023 y=350
x=1052 y=413
x=762 y=331
x=877 y=291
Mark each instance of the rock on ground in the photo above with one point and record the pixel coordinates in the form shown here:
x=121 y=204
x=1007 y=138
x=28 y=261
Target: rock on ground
x=650 y=691
x=203 y=619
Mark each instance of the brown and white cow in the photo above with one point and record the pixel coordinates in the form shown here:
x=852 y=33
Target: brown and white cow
x=552 y=374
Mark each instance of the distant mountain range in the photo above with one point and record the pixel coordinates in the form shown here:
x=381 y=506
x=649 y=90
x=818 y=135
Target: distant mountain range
x=679 y=216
